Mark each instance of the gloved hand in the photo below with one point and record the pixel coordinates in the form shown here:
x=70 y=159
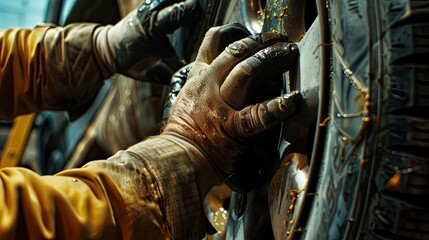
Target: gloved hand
x=136 y=45
x=217 y=109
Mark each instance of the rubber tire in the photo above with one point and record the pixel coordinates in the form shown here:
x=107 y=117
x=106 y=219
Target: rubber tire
x=374 y=177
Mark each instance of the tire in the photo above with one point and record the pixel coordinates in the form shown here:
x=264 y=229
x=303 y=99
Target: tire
x=353 y=164
x=367 y=173
x=374 y=175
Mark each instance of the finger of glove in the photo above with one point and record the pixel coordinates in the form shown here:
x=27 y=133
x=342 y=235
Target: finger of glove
x=260 y=117
x=242 y=49
x=216 y=40
x=247 y=78
x=172 y=17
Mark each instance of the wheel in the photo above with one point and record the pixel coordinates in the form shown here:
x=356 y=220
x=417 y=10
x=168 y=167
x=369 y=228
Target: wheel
x=374 y=174
x=352 y=163
x=362 y=170
x=262 y=212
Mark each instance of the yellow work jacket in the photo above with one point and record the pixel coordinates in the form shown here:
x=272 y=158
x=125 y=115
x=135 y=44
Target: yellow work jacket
x=148 y=191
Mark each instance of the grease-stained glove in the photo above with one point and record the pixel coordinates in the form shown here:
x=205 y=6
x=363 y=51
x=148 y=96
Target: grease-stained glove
x=136 y=45
x=218 y=110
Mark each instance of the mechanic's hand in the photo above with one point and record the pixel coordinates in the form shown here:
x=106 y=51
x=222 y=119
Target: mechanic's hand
x=217 y=109
x=136 y=45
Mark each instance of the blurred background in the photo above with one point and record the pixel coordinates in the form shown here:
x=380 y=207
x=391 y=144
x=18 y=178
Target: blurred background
x=22 y=13
x=28 y=13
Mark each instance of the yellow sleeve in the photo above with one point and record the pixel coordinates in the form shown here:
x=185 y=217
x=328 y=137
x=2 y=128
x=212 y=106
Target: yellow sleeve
x=149 y=191
x=48 y=68
x=111 y=199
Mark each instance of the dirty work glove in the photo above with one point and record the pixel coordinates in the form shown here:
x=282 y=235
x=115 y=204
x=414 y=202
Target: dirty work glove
x=217 y=109
x=136 y=45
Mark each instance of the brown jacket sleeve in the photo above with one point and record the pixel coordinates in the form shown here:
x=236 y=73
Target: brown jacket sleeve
x=147 y=192
x=50 y=68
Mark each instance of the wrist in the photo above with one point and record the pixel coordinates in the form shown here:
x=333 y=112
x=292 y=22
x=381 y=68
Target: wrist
x=103 y=52
x=178 y=171
x=206 y=173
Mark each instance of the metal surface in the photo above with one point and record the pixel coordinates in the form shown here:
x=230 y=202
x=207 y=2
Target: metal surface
x=287 y=187
x=89 y=11
x=250 y=13
x=17 y=140
x=53 y=11
x=285 y=194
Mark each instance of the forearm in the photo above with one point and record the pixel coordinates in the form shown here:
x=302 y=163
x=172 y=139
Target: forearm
x=112 y=199
x=48 y=68
x=154 y=190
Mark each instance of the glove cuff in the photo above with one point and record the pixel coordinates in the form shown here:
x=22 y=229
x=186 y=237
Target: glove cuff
x=198 y=158
x=103 y=52
x=183 y=177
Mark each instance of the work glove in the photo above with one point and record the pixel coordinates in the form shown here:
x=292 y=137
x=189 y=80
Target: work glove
x=220 y=109
x=136 y=45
